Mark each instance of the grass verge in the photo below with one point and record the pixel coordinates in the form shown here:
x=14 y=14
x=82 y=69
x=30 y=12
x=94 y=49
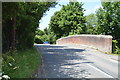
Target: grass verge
x=107 y=52
x=21 y=64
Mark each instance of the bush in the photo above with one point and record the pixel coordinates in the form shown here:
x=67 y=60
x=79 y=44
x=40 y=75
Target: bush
x=115 y=47
x=38 y=41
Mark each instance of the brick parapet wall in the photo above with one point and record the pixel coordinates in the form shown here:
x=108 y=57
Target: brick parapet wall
x=101 y=42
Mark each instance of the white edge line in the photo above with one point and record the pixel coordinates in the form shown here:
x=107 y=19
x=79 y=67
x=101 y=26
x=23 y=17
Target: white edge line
x=100 y=71
x=113 y=60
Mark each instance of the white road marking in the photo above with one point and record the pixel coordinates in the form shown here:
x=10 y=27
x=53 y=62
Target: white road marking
x=100 y=71
x=113 y=60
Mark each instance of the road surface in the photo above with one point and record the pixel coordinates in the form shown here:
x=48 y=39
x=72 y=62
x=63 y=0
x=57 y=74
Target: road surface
x=70 y=62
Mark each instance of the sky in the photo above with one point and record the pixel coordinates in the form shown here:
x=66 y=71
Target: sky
x=89 y=6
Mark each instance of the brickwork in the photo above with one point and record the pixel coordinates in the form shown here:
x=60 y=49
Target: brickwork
x=101 y=42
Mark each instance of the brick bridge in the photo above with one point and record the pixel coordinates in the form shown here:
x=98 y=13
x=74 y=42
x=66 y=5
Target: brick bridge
x=100 y=42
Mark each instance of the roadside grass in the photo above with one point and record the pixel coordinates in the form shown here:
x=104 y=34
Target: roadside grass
x=107 y=53
x=113 y=54
x=21 y=64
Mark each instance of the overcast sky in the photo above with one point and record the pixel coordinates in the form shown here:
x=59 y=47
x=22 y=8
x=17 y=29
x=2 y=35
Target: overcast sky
x=90 y=7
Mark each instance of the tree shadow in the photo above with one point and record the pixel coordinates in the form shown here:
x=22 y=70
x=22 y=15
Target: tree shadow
x=56 y=57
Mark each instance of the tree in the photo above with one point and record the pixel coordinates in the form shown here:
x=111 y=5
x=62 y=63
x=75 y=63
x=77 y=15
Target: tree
x=51 y=38
x=9 y=19
x=108 y=19
x=45 y=35
x=109 y=22
x=38 y=36
x=69 y=20
x=20 y=21
x=91 y=24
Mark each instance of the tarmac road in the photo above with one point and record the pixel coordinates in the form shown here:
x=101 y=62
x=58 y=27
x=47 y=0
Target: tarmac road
x=70 y=62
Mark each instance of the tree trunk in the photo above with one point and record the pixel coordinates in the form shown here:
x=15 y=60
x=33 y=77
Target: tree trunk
x=13 y=38
x=14 y=32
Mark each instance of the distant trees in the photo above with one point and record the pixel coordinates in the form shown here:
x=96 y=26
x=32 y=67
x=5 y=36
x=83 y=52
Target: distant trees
x=51 y=37
x=91 y=23
x=38 y=36
x=45 y=35
x=20 y=21
x=69 y=20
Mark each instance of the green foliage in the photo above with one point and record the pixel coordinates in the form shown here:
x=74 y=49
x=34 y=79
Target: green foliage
x=25 y=33
x=38 y=36
x=49 y=36
x=109 y=22
x=69 y=20
x=21 y=64
x=20 y=21
x=92 y=25
x=45 y=35
x=108 y=19
x=38 y=40
x=115 y=48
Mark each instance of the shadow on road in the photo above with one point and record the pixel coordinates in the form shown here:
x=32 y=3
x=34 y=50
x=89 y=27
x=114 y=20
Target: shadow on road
x=61 y=61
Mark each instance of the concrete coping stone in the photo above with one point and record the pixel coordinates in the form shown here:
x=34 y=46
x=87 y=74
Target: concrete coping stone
x=89 y=35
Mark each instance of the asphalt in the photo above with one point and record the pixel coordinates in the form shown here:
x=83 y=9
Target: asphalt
x=60 y=61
